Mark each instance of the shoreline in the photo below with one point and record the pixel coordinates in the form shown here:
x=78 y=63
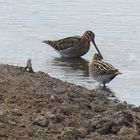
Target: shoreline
x=37 y=106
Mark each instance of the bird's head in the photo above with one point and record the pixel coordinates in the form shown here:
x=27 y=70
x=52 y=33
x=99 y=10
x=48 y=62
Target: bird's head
x=89 y=35
x=97 y=57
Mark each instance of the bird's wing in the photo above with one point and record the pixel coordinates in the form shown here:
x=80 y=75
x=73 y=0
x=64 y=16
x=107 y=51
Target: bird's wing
x=104 y=68
x=65 y=43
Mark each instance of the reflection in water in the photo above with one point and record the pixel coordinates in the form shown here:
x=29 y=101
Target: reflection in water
x=73 y=64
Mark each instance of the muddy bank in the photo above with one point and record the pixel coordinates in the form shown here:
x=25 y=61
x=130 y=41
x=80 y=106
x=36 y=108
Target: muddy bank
x=35 y=106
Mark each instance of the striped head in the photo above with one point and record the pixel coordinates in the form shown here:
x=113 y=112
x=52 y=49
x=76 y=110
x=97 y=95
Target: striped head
x=97 y=57
x=90 y=36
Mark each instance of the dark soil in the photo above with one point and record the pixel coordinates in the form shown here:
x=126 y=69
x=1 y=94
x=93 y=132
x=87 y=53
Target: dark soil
x=35 y=106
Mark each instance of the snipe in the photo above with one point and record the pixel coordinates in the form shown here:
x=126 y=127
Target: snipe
x=75 y=46
x=101 y=71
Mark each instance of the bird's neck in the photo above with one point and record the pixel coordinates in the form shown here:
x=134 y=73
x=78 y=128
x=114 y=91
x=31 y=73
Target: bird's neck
x=84 y=39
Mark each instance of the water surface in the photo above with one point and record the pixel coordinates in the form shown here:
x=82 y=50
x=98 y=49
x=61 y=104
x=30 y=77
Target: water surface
x=24 y=24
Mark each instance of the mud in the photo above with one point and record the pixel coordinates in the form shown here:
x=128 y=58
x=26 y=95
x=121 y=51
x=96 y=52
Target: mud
x=35 y=106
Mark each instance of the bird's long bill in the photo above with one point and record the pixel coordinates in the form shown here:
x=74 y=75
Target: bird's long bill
x=96 y=47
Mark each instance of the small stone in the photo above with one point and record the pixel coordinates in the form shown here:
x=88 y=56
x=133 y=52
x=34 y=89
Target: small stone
x=99 y=108
x=82 y=132
x=124 y=102
x=70 y=133
x=136 y=109
x=1 y=112
x=16 y=112
x=12 y=122
x=3 y=133
x=52 y=98
x=44 y=119
x=129 y=132
x=41 y=120
x=22 y=125
x=29 y=66
x=120 y=106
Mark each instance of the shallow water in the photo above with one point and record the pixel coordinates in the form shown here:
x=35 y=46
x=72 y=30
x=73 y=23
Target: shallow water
x=24 y=24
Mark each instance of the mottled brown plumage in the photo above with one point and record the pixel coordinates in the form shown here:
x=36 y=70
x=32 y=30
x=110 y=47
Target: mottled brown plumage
x=75 y=46
x=101 y=71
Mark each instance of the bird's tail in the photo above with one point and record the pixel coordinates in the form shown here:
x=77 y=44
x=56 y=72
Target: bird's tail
x=51 y=43
x=117 y=72
x=47 y=42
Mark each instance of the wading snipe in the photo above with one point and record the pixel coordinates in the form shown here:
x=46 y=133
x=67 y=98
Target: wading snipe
x=101 y=71
x=75 y=46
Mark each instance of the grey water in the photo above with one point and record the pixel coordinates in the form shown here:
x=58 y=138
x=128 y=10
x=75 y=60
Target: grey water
x=116 y=24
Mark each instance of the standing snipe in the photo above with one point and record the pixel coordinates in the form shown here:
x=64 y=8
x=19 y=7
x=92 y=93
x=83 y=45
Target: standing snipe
x=75 y=46
x=101 y=71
